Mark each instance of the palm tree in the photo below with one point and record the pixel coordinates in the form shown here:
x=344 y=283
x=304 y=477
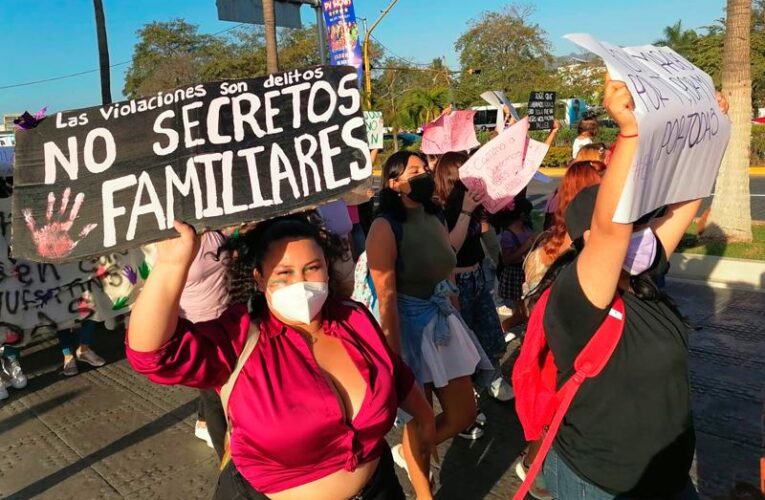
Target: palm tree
x=677 y=38
x=103 y=52
x=424 y=105
x=731 y=215
x=269 y=20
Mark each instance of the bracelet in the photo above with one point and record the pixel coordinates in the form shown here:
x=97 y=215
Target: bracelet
x=627 y=136
x=469 y=214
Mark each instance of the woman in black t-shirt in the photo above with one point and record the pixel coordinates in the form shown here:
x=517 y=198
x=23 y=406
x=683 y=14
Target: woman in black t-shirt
x=466 y=221
x=629 y=431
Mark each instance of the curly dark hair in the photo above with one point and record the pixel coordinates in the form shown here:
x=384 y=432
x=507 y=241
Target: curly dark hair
x=250 y=249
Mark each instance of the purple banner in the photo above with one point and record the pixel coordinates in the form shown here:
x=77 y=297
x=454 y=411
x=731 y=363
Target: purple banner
x=343 y=34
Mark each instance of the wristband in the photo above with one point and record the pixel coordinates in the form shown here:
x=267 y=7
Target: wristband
x=469 y=214
x=627 y=136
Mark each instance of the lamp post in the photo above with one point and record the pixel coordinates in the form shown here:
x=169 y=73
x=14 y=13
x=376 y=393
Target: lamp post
x=367 y=72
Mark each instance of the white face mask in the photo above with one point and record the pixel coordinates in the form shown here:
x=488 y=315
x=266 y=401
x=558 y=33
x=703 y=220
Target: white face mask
x=300 y=302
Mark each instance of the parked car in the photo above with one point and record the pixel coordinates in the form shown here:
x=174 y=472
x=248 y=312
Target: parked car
x=405 y=138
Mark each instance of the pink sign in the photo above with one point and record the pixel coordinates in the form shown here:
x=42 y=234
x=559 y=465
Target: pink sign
x=453 y=131
x=504 y=166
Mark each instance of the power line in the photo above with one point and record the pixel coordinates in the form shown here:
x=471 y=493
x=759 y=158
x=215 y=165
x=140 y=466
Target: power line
x=80 y=73
x=414 y=63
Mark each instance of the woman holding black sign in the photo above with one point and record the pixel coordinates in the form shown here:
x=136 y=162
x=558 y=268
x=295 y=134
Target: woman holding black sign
x=316 y=385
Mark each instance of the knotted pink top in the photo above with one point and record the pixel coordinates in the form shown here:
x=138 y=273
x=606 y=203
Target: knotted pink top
x=288 y=425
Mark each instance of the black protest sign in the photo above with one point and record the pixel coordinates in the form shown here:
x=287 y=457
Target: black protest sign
x=541 y=110
x=105 y=179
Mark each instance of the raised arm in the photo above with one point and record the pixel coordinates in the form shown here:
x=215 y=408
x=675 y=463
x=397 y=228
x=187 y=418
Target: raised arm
x=600 y=264
x=459 y=232
x=550 y=139
x=155 y=313
x=381 y=259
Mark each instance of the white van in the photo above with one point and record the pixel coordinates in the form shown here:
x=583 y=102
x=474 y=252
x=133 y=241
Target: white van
x=485 y=117
x=7 y=140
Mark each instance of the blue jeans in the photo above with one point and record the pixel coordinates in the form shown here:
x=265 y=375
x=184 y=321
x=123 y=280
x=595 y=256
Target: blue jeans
x=480 y=314
x=565 y=484
x=66 y=337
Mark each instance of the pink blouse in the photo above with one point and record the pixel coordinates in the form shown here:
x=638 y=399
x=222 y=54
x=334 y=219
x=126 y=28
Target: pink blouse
x=288 y=426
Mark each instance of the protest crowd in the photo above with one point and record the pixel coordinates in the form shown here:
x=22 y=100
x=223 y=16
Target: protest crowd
x=325 y=309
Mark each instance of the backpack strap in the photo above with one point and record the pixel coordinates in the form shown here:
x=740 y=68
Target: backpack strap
x=253 y=335
x=588 y=364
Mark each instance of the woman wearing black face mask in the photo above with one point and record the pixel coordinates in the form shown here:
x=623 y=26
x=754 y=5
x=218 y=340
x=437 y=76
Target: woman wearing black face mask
x=412 y=266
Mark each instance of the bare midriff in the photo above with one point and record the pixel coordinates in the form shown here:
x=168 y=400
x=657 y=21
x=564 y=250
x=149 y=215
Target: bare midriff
x=340 y=484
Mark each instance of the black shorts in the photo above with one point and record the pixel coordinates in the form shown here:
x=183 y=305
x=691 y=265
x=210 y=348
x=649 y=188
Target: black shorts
x=383 y=485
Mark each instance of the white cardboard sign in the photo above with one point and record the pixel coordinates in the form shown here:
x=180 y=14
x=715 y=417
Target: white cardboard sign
x=683 y=133
x=375 y=133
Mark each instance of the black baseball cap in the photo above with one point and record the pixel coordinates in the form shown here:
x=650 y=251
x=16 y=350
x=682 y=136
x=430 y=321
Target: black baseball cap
x=579 y=212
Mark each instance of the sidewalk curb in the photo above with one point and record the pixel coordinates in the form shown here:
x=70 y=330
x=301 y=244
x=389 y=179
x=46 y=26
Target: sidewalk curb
x=729 y=273
x=557 y=172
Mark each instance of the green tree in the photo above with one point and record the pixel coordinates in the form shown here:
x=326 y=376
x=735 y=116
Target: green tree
x=169 y=54
x=174 y=54
x=512 y=53
x=678 y=38
x=423 y=105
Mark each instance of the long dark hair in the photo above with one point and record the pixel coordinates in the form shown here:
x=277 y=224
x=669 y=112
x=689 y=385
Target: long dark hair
x=251 y=248
x=390 y=200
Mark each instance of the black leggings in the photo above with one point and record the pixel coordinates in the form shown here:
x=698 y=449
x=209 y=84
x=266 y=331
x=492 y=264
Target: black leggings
x=383 y=485
x=211 y=411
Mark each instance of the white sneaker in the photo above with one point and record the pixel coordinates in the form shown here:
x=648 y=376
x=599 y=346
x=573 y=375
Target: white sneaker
x=90 y=357
x=13 y=369
x=480 y=419
x=398 y=456
x=501 y=390
x=201 y=432
x=504 y=312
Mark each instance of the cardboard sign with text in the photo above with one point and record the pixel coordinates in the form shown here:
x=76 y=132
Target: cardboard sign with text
x=39 y=299
x=683 y=133
x=450 y=132
x=106 y=179
x=541 y=110
x=375 y=129
x=503 y=166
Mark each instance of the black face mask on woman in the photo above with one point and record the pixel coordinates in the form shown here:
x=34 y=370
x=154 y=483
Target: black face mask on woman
x=423 y=186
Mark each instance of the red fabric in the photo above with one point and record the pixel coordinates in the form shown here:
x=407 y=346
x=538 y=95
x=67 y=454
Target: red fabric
x=535 y=375
x=353 y=213
x=288 y=427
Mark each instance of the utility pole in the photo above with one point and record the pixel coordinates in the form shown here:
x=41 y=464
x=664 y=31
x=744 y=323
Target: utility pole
x=103 y=52
x=322 y=34
x=269 y=21
x=367 y=36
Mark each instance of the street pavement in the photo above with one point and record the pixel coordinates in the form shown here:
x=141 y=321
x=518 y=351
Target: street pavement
x=109 y=433
x=538 y=193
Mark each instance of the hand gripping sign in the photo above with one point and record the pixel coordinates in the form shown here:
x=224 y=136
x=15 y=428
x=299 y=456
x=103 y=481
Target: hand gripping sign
x=107 y=179
x=683 y=133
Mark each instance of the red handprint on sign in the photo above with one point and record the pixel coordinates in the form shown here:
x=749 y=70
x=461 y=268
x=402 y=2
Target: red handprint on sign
x=52 y=239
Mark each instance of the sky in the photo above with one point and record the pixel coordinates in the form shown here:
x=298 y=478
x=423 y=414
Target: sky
x=51 y=38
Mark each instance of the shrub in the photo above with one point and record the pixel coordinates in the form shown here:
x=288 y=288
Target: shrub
x=758 y=145
x=557 y=157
